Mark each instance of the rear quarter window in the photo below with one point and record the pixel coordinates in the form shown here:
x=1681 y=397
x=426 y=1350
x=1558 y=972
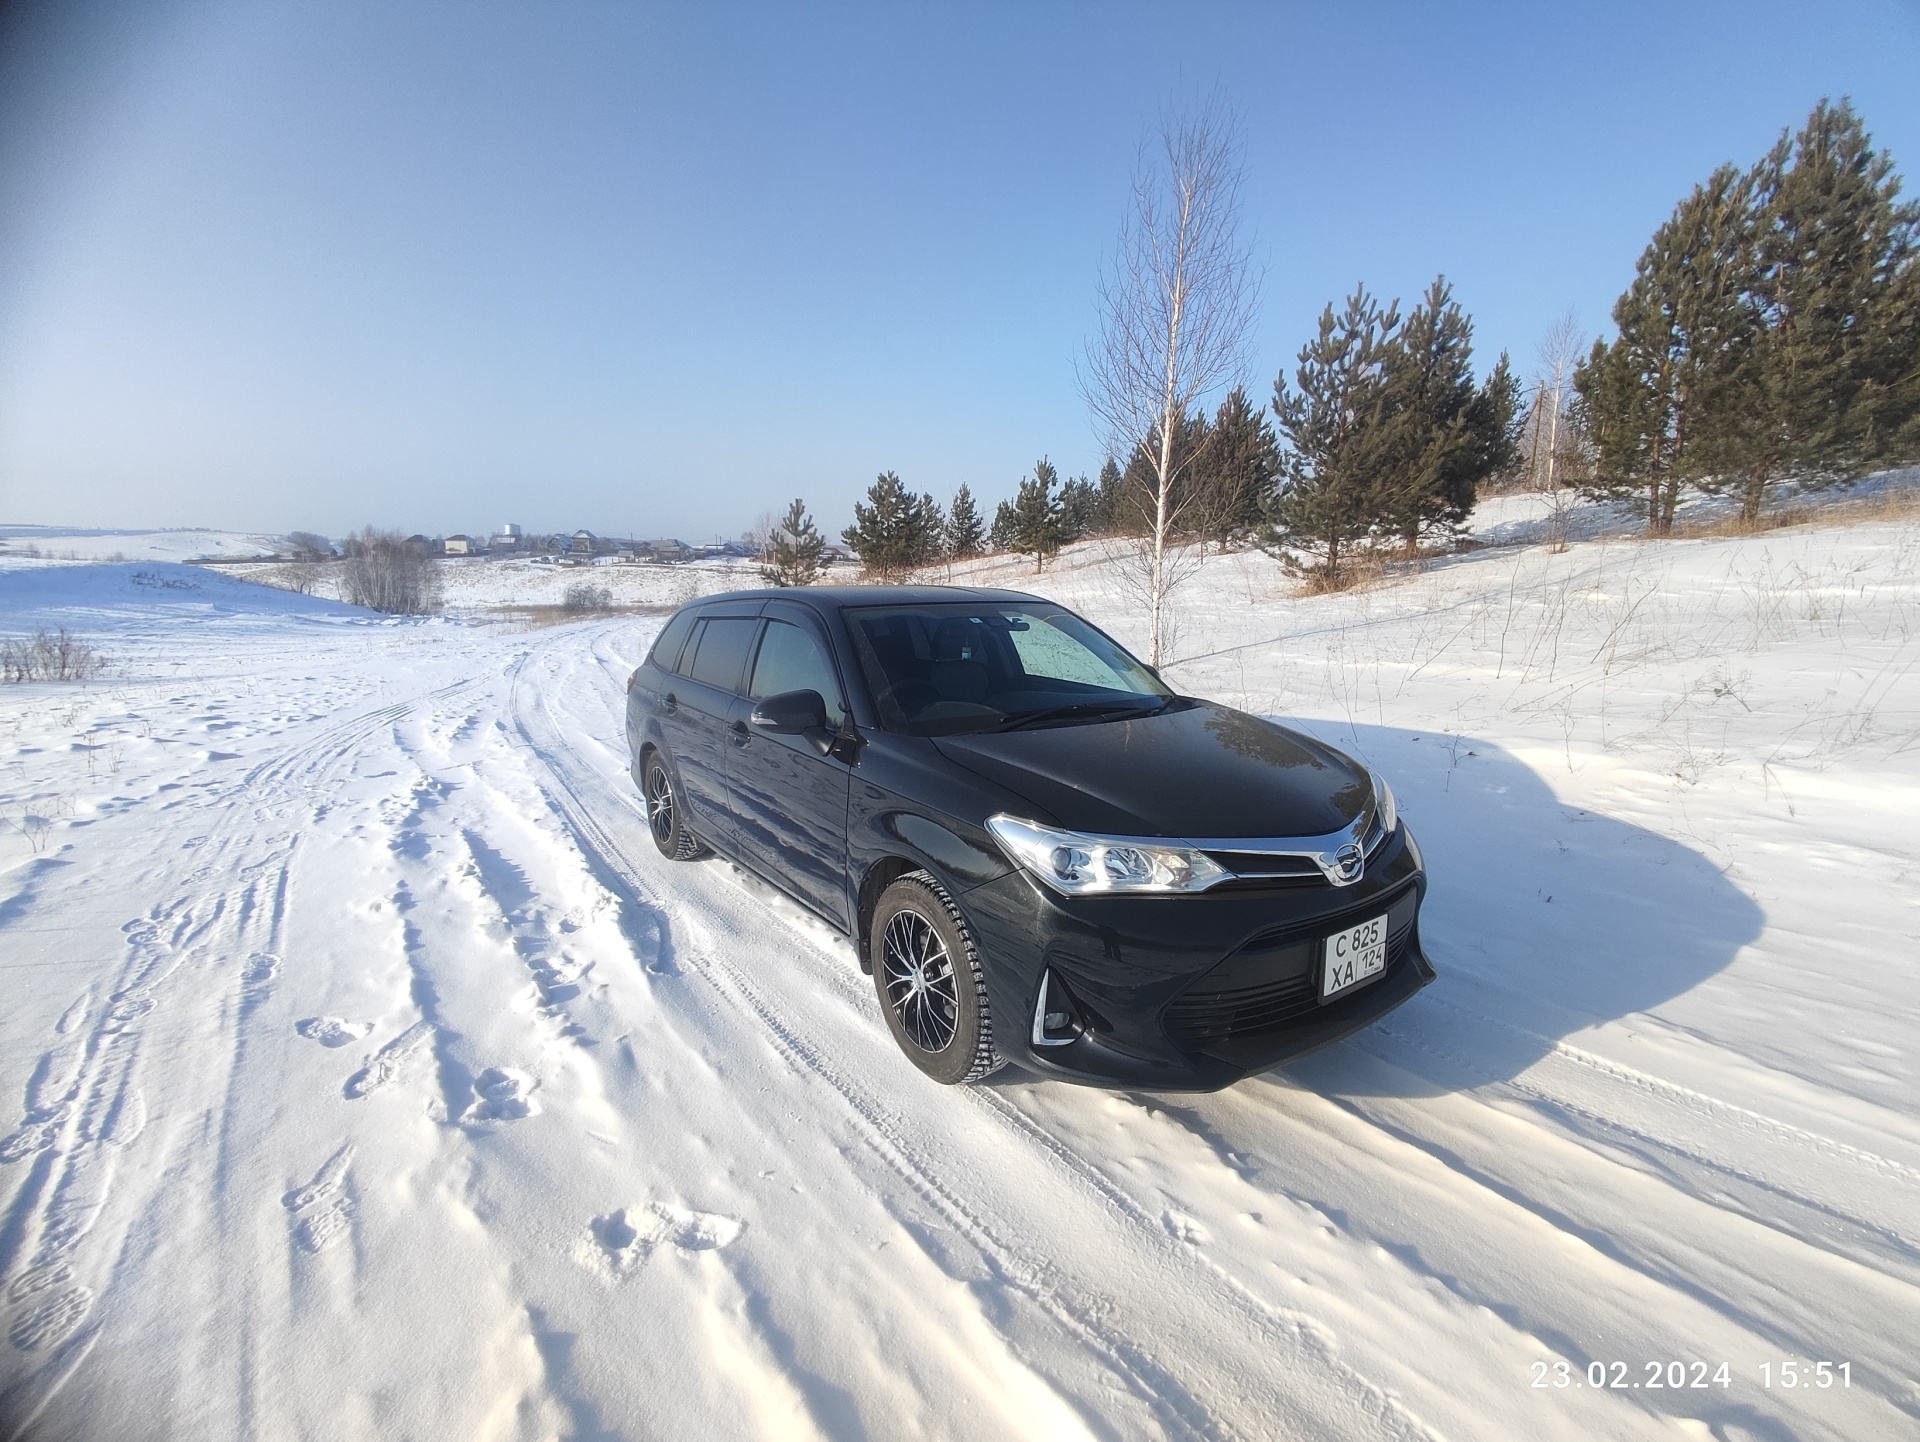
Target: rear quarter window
x=672 y=641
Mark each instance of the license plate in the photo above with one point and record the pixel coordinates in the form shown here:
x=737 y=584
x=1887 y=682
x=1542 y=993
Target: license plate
x=1354 y=957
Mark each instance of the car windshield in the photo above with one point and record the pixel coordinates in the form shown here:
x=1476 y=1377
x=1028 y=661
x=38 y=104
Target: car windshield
x=940 y=669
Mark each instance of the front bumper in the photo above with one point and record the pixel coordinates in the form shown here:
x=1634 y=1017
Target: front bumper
x=1192 y=993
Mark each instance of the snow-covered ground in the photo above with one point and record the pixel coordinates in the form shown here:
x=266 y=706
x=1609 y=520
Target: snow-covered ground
x=376 y=1078
x=483 y=584
x=493 y=583
x=80 y=543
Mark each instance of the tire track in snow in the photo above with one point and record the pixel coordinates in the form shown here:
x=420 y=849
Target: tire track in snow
x=52 y=1229
x=1798 y=1170
x=61 y=1235
x=1743 y=1290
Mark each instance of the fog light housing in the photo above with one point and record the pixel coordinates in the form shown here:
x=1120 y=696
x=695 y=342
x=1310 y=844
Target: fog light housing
x=1056 y=1019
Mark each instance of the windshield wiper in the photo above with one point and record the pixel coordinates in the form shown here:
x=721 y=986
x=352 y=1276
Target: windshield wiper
x=1081 y=710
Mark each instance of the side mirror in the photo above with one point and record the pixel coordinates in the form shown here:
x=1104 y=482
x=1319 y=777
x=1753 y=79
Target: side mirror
x=791 y=713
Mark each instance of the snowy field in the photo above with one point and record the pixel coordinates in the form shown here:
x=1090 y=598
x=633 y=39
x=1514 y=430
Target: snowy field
x=68 y=543
x=373 y=1077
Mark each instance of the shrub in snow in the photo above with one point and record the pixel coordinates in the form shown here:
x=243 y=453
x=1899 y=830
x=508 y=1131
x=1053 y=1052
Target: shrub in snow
x=582 y=597
x=49 y=656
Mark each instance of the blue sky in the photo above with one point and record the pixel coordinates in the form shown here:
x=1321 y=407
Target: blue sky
x=658 y=269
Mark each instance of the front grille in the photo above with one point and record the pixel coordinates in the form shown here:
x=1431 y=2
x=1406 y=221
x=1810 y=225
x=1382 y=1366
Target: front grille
x=1288 y=868
x=1274 y=979
x=1197 y=1018
x=1268 y=867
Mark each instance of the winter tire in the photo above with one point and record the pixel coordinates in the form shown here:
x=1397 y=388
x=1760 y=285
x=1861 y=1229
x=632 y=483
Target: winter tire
x=926 y=971
x=666 y=816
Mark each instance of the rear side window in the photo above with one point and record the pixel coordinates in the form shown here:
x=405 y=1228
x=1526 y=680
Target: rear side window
x=666 y=650
x=721 y=656
x=791 y=659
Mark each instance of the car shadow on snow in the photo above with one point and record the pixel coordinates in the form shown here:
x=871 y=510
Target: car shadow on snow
x=1542 y=919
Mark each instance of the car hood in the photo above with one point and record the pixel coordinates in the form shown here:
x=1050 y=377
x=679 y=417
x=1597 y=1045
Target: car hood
x=1199 y=770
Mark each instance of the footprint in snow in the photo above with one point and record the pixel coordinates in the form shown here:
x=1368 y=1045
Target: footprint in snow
x=127 y=1008
x=504 y=1095
x=33 y=1135
x=1183 y=1228
x=322 y=1212
x=35 y=1280
x=331 y=1031
x=384 y=1065
x=617 y=1243
x=52 y=1322
x=261 y=968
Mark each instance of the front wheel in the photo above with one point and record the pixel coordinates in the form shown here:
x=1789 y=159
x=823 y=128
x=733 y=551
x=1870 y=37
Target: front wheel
x=926 y=970
x=666 y=817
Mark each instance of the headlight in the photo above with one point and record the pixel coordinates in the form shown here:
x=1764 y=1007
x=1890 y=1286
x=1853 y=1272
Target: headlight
x=1383 y=801
x=1076 y=864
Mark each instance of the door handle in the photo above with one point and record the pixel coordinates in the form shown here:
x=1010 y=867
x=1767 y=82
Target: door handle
x=669 y=703
x=741 y=733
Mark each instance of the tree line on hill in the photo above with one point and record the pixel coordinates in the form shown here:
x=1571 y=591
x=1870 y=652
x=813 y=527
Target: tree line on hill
x=1383 y=432
x=1771 y=334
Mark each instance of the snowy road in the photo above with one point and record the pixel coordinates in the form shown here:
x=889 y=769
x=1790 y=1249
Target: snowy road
x=377 y=1079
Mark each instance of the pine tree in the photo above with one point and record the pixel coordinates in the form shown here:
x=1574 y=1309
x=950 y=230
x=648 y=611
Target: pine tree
x=1333 y=424
x=1079 y=509
x=1447 y=434
x=1827 y=382
x=1494 y=423
x=1135 y=510
x=926 y=532
x=1235 y=473
x=794 y=549
x=965 y=536
x=1000 y=537
x=1036 y=525
x=1772 y=330
x=888 y=531
x=1896 y=326
x=1429 y=381
x=1654 y=400
x=1112 y=486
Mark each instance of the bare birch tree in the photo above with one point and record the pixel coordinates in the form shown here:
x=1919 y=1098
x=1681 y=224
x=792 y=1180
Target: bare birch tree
x=1551 y=442
x=386 y=572
x=1176 y=307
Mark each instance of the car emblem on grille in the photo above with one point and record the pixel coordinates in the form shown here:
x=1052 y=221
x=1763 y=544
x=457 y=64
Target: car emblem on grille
x=1348 y=862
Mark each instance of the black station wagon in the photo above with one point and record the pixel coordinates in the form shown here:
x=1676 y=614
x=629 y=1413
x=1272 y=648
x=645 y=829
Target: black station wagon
x=1041 y=852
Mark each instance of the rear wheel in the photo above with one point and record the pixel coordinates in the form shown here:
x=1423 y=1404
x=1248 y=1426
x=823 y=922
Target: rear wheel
x=666 y=817
x=926 y=970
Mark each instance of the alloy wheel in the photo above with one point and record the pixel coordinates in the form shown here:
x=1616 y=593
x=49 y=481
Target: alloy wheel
x=660 y=804
x=920 y=984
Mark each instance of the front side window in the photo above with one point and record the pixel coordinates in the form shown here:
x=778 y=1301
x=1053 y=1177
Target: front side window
x=791 y=659
x=720 y=655
x=953 y=667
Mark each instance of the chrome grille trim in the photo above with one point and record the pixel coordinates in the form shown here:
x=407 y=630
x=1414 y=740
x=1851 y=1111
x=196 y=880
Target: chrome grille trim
x=1365 y=832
